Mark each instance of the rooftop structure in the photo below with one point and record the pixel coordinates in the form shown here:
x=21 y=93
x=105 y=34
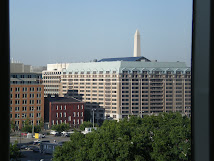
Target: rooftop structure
x=125 y=59
x=120 y=66
x=20 y=68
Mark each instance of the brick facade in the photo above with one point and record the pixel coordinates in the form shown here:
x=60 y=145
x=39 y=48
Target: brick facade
x=66 y=112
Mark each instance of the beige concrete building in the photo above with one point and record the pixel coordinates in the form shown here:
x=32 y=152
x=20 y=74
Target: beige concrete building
x=125 y=88
x=52 y=78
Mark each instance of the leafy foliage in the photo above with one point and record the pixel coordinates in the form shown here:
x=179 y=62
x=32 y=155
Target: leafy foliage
x=87 y=124
x=61 y=127
x=14 y=151
x=163 y=137
x=28 y=128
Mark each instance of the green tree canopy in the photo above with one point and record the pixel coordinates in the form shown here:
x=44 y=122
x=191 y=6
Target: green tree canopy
x=14 y=151
x=28 y=128
x=163 y=137
x=87 y=124
x=61 y=127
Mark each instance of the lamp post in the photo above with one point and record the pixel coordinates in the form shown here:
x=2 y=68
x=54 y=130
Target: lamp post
x=33 y=124
x=93 y=115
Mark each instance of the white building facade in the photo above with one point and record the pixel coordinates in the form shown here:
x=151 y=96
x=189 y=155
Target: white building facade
x=52 y=78
x=130 y=88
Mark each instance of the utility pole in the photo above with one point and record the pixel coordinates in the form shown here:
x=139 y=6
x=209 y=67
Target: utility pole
x=33 y=124
x=93 y=115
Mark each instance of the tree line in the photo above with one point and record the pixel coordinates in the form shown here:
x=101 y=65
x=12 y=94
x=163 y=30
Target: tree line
x=165 y=137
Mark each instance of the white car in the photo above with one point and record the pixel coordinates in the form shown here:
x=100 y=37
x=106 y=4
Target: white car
x=53 y=132
x=64 y=133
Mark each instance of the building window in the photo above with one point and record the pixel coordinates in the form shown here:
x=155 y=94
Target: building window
x=31 y=95
x=17 y=89
x=24 y=102
x=38 y=108
x=24 y=115
x=24 y=108
x=24 y=95
x=16 y=102
x=64 y=114
x=31 y=102
x=16 y=109
x=17 y=115
x=16 y=95
x=31 y=115
x=69 y=118
x=38 y=115
x=64 y=107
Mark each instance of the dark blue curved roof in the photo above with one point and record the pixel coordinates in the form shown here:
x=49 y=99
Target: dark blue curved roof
x=124 y=59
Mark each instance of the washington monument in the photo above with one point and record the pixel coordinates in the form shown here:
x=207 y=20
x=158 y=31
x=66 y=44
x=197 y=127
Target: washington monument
x=137 y=50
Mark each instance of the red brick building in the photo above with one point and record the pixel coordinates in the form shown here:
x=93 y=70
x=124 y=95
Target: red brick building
x=26 y=101
x=66 y=110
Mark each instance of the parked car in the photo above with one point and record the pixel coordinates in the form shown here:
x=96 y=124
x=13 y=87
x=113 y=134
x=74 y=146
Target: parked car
x=53 y=132
x=62 y=142
x=36 y=142
x=64 y=132
x=57 y=134
x=43 y=135
x=45 y=141
x=24 y=147
x=30 y=148
x=35 y=149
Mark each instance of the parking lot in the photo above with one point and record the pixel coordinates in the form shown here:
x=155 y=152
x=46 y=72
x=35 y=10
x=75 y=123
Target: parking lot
x=27 y=146
x=50 y=138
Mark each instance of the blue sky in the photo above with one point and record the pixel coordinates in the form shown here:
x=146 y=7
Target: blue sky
x=50 y=31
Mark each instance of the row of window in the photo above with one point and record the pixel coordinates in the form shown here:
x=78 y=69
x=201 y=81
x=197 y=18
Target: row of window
x=25 y=102
x=26 y=89
x=64 y=114
x=30 y=122
x=25 y=95
x=61 y=107
x=77 y=121
x=24 y=108
x=24 y=115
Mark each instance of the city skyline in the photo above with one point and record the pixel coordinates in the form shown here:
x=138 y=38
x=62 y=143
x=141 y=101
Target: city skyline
x=54 y=32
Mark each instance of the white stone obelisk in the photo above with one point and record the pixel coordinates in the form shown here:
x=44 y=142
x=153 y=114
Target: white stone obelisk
x=137 y=50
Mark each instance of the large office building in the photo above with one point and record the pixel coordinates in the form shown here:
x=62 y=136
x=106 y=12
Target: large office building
x=125 y=88
x=26 y=95
x=119 y=87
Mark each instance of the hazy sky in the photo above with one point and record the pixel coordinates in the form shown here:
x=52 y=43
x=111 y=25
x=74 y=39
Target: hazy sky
x=50 y=31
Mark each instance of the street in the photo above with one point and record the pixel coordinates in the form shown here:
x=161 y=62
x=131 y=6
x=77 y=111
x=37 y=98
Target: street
x=51 y=138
